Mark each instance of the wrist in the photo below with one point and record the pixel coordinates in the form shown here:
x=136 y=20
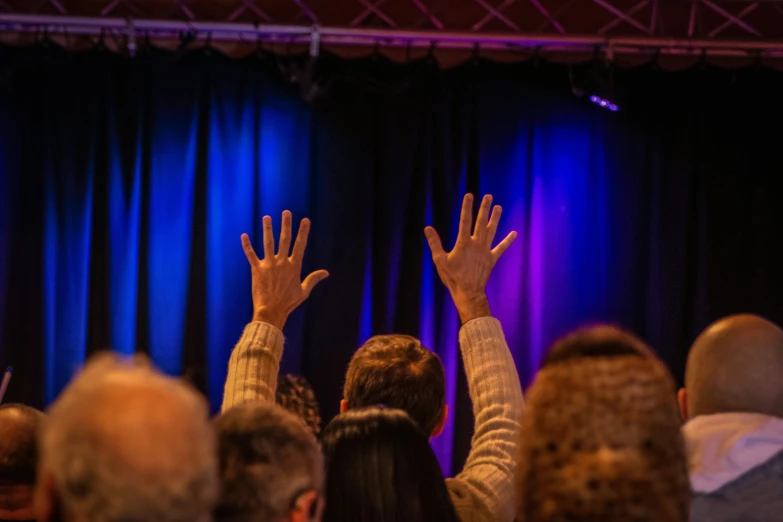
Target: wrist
x=471 y=306
x=276 y=319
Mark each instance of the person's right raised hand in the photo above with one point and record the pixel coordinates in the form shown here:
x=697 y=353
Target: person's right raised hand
x=276 y=279
x=466 y=269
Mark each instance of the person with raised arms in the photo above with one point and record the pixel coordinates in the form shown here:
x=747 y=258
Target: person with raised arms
x=484 y=490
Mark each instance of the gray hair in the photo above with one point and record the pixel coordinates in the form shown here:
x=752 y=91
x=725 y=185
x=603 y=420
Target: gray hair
x=268 y=457
x=115 y=458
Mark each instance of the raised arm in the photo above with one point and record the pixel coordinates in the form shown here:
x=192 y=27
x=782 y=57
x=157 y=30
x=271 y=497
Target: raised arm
x=493 y=382
x=277 y=291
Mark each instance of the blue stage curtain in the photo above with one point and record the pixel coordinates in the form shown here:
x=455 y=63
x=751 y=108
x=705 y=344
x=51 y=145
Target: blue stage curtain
x=125 y=185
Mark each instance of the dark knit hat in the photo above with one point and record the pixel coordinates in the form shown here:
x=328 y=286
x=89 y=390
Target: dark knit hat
x=601 y=442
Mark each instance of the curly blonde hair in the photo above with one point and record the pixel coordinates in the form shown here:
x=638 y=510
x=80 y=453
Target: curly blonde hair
x=600 y=439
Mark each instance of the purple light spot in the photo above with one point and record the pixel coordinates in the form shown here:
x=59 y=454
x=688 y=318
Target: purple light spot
x=606 y=104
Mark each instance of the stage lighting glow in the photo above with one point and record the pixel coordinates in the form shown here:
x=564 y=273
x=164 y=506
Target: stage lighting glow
x=606 y=104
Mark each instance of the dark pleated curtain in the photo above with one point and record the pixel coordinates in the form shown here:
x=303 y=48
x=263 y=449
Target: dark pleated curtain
x=125 y=184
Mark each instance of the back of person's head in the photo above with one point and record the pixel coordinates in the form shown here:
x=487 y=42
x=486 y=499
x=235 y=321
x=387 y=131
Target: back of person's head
x=380 y=468
x=19 y=426
x=735 y=365
x=295 y=394
x=601 y=435
x=398 y=372
x=271 y=466
x=596 y=341
x=126 y=443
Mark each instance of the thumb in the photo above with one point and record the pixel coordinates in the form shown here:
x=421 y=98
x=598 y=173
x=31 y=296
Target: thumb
x=313 y=279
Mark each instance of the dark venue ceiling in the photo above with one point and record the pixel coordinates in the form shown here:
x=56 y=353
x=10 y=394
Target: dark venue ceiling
x=718 y=21
x=671 y=18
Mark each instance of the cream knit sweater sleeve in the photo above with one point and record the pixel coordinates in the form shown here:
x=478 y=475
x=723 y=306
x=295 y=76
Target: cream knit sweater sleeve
x=253 y=366
x=484 y=490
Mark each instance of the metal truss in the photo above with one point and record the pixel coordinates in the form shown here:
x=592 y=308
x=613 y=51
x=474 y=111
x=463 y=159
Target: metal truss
x=739 y=26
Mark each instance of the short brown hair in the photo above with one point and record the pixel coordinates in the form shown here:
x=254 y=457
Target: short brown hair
x=397 y=371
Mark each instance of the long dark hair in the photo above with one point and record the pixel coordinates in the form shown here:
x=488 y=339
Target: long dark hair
x=380 y=468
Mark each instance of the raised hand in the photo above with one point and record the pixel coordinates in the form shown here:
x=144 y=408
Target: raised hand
x=466 y=269
x=277 y=285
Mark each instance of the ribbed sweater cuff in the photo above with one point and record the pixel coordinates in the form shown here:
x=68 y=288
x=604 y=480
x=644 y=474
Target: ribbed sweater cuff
x=479 y=330
x=263 y=335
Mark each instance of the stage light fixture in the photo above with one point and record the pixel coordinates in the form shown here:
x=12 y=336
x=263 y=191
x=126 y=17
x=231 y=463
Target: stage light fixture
x=596 y=82
x=606 y=104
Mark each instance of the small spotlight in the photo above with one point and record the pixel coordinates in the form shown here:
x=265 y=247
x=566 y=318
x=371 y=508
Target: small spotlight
x=606 y=104
x=595 y=82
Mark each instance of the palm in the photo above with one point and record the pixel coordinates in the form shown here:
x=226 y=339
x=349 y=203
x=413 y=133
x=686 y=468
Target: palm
x=277 y=286
x=285 y=283
x=466 y=269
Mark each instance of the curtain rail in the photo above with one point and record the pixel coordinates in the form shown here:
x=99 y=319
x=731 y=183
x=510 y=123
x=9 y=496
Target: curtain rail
x=350 y=36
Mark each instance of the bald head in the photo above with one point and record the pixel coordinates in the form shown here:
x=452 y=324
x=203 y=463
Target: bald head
x=124 y=442
x=735 y=365
x=18 y=456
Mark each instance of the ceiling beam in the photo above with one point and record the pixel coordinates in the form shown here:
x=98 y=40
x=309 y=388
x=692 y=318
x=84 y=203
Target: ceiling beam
x=379 y=37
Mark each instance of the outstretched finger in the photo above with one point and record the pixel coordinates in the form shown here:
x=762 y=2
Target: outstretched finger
x=313 y=279
x=269 y=238
x=481 y=220
x=433 y=239
x=285 y=235
x=503 y=245
x=301 y=241
x=492 y=228
x=252 y=258
x=465 y=218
